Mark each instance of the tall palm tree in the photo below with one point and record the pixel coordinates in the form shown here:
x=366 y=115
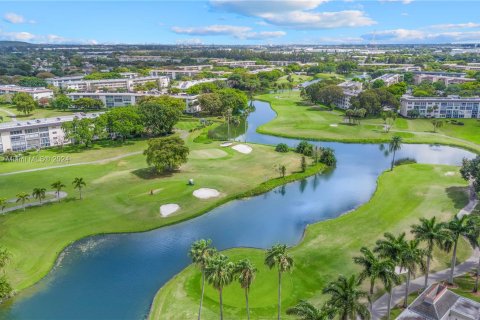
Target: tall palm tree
x=246 y=272
x=58 y=186
x=458 y=227
x=201 y=251
x=390 y=280
x=432 y=233
x=307 y=311
x=373 y=269
x=395 y=145
x=277 y=256
x=39 y=194
x=345 y=299
x=474 y=240
x=220 y=273
x=22 y=197
x=391 y=246
x=410 y=258
x=3 y=204
x=79 y=183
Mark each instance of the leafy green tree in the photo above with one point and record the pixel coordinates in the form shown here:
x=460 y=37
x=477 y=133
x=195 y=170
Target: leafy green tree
x=345 y=298
x=282 y=169
x=32 y=82
x=22 y=197
x=282 y=147
x=220 y=273
x=432 y=233
x=167 y=153
x=79 y=183
x=394 y=145
x=246 y=272
x=122 y=121
x=58 y=186
x=411 y=258
x=87 y=104
x=470 y=172
x=277 y=256
x=474 y=239
x=24 y=102
x=379 y=83
x=3 y=204
x=328 y=157
x=211 y=103
x=5 y=287
x=39 y=194
x=62 y=102
x=437 y=124
x=307 y=311
x=160 y=114
x=82 y=131
x=305 y=148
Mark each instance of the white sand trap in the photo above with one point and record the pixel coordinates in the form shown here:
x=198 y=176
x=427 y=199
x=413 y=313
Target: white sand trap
x=242 y=148
x=168 y=209
x=449 y=173
x=334 y=125
x=226 y=144
x=206 y=193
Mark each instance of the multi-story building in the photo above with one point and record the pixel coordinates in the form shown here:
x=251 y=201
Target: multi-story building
x=183 y=85
x=441 y=107
x=36 y=93
x=350 y=89
x=36 y=134
x=237 y=64
x=127 y=83
x=111 y=100
x=446 y=78
x=63 y=81
x=468 y=66
x=390 y=78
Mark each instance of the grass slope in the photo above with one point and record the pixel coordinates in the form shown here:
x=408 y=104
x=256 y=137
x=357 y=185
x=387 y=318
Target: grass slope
x=300 y=120
x=117 y=199
x=402 y=197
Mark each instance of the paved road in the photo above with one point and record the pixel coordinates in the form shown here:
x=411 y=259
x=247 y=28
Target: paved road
x=74 y=164
x=61 y=195
x=379 y=308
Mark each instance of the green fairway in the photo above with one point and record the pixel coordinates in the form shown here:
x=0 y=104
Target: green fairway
x=118 y=198
x=38 y=113
x=296 y=79
x=295 y=118
x=402 y=197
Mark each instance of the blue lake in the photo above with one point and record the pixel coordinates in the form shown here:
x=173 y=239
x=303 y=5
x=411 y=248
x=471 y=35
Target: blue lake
x=117 y=276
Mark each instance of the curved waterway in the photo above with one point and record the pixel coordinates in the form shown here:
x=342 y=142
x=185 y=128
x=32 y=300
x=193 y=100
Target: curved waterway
x=117 y=276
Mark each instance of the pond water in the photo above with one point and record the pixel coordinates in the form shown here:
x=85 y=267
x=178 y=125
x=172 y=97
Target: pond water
x=117 y=276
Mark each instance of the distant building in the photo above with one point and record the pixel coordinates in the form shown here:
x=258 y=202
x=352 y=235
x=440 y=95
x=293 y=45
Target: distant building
x=128 y=83
x=35 y=92
x=439 y=303
x=184 y=85
x=237 y=64
x=441 y=107
x=445 y=77
x=390 y=78
x=187 y=71
x=468 y=66
x=36 y=134
x=350 y=89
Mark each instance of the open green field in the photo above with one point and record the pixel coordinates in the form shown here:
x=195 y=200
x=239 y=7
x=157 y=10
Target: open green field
x=402 y=197
x=118 y=198
x=296 y=79
x=295 y=118
x=38 y=113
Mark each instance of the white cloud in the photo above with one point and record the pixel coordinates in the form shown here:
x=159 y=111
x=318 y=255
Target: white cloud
x=422 y=36
x=14 y=18
x=299 y=14
x=402 y=1
x=238 y=32
x=456 y=25
x=35 y=38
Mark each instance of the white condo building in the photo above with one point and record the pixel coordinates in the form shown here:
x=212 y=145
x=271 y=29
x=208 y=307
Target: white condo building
x=36 y=134
x=446 y=78
x=350 y=89
x=34 y=92
x=390 y=78
x=128 y=83
x=441 y=107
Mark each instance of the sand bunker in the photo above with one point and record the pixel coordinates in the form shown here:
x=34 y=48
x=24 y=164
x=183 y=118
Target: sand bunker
x=168 y=209
x=449 y=173
x=206 y=193
x=226 y=144
x=334 y=125
x=242 y=148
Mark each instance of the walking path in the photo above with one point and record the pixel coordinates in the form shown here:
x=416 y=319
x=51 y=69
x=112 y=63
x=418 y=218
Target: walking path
x=61 y=195
x=74 y=164
x=379 y=307
x=13 y=116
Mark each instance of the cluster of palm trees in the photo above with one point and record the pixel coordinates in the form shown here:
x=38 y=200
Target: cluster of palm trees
x=40 y=193
x=219 y=271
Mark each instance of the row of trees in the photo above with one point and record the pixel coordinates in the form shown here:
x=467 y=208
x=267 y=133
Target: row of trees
x=5 y=287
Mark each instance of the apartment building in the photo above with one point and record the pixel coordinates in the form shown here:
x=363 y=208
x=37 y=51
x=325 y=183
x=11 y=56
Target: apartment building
x=62 y=81
x=390 y=78
x=446 y=78
x=128 y=83
x=148 y=59
x=184 y=85
x=36 y=134
x=468 y=66
x=237 y=64
x=112 y=100
x=35 y=92
x=178 y=73
x=350 y=89
x=441 y=107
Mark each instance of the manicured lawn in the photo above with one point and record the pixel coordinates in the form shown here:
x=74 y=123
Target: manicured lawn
x=117 y=199
x=297 y=79
x=402 y=197
x=296 y=118
x=38 y=113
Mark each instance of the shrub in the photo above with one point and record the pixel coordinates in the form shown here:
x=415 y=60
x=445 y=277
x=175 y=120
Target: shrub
x=328 y=157
x=282 y=147
x=305 y=148
x=405 y=161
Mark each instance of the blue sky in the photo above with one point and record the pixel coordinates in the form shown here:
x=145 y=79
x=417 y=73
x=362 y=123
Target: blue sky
x=241 y=21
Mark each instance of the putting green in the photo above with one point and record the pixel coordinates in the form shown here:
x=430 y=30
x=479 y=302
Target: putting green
x=207 y=154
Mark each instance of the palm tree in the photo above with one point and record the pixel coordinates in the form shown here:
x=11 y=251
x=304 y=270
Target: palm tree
x=220 y=273
x=345 y=298
x=410 y=258
x=277 y=256
x=307 y=311
x=373 y=268
x=458 y=227
x=432 y=233
x=246 y=274
x=390 y=280
x=201 y=252
x=39 y=194
x=474 y=241
x=58 y=186
x=394 y=146
x=3 y=204
x=391 y=247
x=79 y=183
x=22 y=197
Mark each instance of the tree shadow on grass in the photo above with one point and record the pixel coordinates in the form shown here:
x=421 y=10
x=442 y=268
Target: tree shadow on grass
x=459 y=195
x=151 y=173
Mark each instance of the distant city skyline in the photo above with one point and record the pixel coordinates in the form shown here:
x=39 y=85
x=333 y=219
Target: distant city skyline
x=245 y=22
